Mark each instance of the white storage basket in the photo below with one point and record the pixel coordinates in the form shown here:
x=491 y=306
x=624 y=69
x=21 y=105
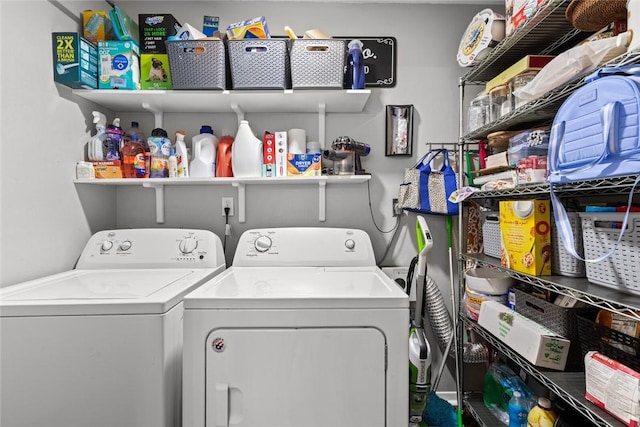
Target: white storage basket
x=562 y=262
x=621 y=270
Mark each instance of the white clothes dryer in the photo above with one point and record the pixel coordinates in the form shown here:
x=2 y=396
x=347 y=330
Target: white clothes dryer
x=101 y=345
x=303 y=330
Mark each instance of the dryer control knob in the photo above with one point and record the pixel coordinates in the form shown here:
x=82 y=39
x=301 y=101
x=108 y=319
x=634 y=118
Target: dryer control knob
x=106 y=246
x=262 y=244
x=188 y=245
x=350 y=244
x=125 y=246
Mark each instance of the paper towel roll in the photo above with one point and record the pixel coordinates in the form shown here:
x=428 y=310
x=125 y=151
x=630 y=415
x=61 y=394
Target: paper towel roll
x=297 y=141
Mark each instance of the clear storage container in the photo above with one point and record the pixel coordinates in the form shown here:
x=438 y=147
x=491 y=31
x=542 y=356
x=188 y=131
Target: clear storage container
x=500 y=99
x=518 y=82
x=479 y=113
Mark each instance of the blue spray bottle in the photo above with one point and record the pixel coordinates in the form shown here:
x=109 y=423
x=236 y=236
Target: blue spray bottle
x=114 y=140
x=355 y=65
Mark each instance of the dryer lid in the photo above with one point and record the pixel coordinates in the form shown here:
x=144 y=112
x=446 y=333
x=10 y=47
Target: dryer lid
x=298 y=287
x=92 y=292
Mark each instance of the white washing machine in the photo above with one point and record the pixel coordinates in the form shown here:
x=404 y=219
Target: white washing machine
x=101 y=345
x=303 y=330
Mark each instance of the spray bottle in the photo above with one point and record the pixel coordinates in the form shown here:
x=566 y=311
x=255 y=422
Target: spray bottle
x=114 y=140
x=96 y=146
x=355 y=65
x=419 y=350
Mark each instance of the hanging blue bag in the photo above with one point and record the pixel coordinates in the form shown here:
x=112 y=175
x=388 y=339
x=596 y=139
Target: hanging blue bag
x=437 y=182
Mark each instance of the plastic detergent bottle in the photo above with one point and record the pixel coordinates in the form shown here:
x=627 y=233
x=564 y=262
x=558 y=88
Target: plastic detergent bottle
x=114 y=140
x=204 y=153
x=223 y=155
x=182 y=156
x=96 y=146
x=172 y=164
x=160 y=148
x=246 y=152
x=541 y=415
x=135 y=130
x=134 y=159
x=355 y=65
x=518 y=410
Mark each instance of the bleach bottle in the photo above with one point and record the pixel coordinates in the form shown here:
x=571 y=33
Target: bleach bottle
x=204 y=153
x=246 y=152
x=355 y=65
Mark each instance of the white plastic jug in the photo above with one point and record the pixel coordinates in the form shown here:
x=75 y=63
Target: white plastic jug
x=246 y=153
x=204 y=154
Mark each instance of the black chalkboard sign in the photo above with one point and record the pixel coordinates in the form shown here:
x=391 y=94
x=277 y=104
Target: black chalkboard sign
x=379 y=60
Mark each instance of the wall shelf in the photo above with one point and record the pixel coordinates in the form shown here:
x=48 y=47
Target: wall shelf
x=158 y=184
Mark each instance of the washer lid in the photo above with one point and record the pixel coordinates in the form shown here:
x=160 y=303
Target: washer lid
x=89 y=292
x=298 y=287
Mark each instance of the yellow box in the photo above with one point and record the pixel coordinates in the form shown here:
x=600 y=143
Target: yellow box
x=304 y=165
x=108 y=169
x=526 y=236
x=528 y=63
x=96 y=25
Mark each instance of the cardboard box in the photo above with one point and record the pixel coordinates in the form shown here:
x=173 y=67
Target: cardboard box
x=75 y=61
x=495 y=160
x=526 y=236
x=96 y=25
x=613 y=387
x=119 y=65
x=108 y=169
x=304 y=165
x=210 y=25
x=255 y=28
x=537 y=344
x=155 y=73
x=154 y=30
x=528 y=63
x=269 y=155
x=281 y=153
x=518 y=11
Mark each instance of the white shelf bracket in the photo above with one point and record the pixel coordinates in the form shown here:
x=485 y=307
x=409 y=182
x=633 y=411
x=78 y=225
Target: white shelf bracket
x=159 y=199
x=236 y=108
x=241 y=201
x=157 y=114
x=322 y=201
x=322 y=109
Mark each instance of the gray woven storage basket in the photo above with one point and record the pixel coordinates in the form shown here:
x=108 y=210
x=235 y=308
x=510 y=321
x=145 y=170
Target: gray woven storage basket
x=259 y=64
x=317 y=64
x=197 y=64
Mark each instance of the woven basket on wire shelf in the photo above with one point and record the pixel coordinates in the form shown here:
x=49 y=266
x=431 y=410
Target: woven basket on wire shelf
x=593 y=15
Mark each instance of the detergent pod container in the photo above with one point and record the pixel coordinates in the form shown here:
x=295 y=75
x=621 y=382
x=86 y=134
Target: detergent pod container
x=246 y=153
x=485 y=31
x=204 y=154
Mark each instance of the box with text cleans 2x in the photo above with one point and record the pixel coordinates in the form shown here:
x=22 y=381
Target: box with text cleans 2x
x=75 y=61
x=534 y=342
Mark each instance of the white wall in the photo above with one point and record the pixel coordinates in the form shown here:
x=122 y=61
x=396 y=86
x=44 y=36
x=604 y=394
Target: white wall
x=46 y=218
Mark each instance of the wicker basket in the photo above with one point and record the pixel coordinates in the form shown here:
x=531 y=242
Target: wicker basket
x=317 y=64
x=259 y=64
x=593 y=15
x=563 y=262
x=197 y=64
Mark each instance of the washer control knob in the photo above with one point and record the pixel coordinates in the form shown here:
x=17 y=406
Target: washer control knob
x=188 y=245
x=106 y=246
x=125 y=246
x=350 y=244
x=262 y=244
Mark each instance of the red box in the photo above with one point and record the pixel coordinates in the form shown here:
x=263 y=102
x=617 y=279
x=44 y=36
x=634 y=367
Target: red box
x=517 y=12
x=269 y=154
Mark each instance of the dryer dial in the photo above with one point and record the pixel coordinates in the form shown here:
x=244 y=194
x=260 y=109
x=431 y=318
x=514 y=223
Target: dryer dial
x=106 y=246
x=188 y=245
x=262 y=244
x=350 y=244
x=125 y=246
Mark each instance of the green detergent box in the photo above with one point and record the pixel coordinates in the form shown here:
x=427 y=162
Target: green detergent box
x=119 y=65
x=75 y=61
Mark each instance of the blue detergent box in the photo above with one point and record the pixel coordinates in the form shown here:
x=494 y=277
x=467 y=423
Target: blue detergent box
x=304 y=165
x=75 y=61
x=119 y=65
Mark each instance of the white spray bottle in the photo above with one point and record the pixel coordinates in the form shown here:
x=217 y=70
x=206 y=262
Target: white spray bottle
x=96 y=145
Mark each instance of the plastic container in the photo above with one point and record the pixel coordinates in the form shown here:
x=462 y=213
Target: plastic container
x=114 y=140
x=317 y=63
x=172 y=164
x=160 y=148
x=197 y=64
x=488 y=281
x=518 y=82
x=518 y=410
x=500 y=100
x=134 y=159
x=354 y=79
x=541 y=415
x=479 y=113
x=135 y=130
x=259 y=64
x=223 y=155
x=182 y=156
x=246 y=156
x=204 y=153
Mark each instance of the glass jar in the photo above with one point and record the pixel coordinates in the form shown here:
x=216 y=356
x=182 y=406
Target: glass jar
x=500 y=98
x=479 y=112
x=518 y=82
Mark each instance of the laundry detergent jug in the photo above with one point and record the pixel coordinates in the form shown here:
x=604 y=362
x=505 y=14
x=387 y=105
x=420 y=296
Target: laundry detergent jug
x=204 y=154
x=246 y=153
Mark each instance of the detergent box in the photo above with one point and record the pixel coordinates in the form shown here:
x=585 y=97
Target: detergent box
x=108 y=169
x=96 y=25
x=255 y=28
x=75 y=61
x=539 y=345
x=119 y=65
x=526 y=236
x=304 y=164
x=269 y=155
x=154 y=30
x=281 y=153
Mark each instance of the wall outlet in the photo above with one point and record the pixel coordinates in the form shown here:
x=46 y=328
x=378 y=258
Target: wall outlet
x=227 y=202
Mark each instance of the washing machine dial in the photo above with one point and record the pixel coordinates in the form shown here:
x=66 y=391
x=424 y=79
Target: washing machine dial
x=262 y=244
x=188 y=245
x=106 y=246
x=350 y=244
x=125 y=246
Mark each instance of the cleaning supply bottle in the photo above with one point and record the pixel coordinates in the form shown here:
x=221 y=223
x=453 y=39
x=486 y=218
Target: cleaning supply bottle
x=223 y=155
x=355 y=65
x=135 y=130
x=182 y=156
x=172 y=164
x=204 y=153
x=96 y=146
x=134 y=159
x=541 y=415
x=114 y=140
x=246 y=152
x=160 y=148
x=518 y=410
